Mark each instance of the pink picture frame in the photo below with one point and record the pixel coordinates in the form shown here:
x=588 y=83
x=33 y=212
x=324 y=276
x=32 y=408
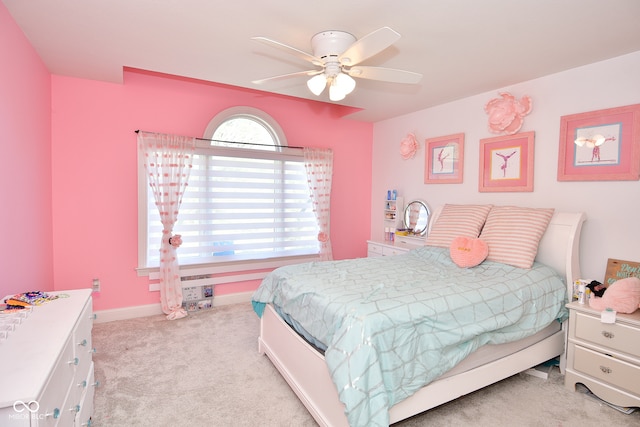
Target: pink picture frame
x=602 y=145
x=444 y=159
x=506 y=163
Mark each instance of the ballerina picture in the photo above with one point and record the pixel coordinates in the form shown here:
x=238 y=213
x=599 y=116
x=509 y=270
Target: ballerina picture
x=600 y=145
x=597 y=145
x=506 y=166
x=444 y=159
x=506 y=163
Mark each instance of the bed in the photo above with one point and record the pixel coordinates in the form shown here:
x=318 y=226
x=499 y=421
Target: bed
x=364 y=378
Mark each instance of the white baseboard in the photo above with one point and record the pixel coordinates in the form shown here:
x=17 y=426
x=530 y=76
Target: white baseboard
x=111 y=315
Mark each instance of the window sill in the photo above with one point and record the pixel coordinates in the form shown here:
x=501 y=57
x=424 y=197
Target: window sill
x=229 y=268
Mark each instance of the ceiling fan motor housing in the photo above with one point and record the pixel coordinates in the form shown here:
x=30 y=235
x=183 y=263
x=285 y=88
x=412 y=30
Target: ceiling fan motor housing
x=331 y=44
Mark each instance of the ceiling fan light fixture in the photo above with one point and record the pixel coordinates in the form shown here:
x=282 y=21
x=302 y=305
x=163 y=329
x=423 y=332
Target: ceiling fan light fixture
x=341 y=86
x=345 y=82
x=316 y=84
x=335 y=94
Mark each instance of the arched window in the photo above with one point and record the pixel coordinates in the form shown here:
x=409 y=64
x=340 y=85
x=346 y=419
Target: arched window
x=245 y=125
x=247 y=199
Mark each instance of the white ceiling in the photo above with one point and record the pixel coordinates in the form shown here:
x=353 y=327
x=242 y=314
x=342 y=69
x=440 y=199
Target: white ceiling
x=462 y=47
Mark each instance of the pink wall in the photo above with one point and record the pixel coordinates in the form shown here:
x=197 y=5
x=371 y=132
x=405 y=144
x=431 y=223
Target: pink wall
x=26 y=254
x=94 y=170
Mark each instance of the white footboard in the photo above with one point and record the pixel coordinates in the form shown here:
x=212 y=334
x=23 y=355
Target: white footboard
x=303 y=368
x=306 y=372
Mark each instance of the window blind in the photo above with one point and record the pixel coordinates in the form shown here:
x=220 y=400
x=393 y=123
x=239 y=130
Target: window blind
x=241 y=204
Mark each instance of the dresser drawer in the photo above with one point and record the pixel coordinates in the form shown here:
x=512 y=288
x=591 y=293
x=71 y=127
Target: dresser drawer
x=86 y=401
x=606 y=368
x=374 y=249
x=83 y=348
x=390 y=251
x=52 y=401
x=615 y=336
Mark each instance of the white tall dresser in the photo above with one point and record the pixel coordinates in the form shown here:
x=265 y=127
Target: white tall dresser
x=46 y=365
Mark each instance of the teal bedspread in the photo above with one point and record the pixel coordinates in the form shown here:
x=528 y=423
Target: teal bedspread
x=393 y=324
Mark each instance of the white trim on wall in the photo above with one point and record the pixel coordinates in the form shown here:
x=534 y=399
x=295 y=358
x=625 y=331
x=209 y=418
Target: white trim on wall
x=103 y=316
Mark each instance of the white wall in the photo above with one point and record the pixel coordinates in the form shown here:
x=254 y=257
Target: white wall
x=612 y=229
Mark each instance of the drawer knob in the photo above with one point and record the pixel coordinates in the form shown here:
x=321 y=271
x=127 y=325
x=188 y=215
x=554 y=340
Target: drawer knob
x=74 y=361
x=88 y=423
x=75 y=409
x=96 y=384
x=83 y=343
x=608 y=334
x=605 y=369
x=93 y=350
x=55 y=414
x=82 y=384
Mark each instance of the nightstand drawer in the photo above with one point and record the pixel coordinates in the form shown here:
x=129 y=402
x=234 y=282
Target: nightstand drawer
x=606 y=368
x=614 y=336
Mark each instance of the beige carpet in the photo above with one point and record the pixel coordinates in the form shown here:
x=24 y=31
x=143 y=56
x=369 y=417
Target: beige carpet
x=205 y=370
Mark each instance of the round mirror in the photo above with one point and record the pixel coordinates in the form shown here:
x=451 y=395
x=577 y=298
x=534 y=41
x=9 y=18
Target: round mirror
x=416 y=217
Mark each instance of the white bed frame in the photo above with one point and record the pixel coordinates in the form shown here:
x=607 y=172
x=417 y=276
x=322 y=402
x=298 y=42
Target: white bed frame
x=305 y=369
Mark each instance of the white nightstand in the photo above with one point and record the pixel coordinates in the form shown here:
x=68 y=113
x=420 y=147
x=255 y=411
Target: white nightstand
x=604 y=357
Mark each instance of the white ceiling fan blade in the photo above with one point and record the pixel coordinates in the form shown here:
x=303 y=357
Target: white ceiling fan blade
x=286 y=76
x=385 y=74
x=369 y=45
x=290 y=50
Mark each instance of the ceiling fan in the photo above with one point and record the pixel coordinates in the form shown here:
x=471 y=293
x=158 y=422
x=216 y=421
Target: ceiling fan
x=338 y=55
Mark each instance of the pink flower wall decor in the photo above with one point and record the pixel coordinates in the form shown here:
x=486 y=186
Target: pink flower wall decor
x=408 y=146
x=506 y=114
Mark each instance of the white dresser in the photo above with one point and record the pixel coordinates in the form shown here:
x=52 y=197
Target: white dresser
x=46 y=369
x=604 y=357
x=389 y=248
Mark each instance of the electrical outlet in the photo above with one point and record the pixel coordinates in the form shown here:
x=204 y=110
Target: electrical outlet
x=96 y=285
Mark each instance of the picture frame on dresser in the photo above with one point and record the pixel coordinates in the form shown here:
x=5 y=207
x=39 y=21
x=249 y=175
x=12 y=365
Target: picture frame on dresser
x=601 y=145
x=506 y=163
x=444 y=159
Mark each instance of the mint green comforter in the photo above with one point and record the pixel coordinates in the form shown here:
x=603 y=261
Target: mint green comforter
x=393 y=324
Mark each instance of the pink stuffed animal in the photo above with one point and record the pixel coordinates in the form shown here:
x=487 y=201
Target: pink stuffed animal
x=622 y=296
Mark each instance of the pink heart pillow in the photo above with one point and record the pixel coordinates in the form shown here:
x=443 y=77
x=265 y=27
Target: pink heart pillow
x=468 y=252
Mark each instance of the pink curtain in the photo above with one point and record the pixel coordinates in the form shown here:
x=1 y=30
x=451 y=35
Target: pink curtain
x=168 y=160
x=319 y=166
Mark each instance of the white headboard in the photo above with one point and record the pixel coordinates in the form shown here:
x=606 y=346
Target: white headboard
x=559 y=247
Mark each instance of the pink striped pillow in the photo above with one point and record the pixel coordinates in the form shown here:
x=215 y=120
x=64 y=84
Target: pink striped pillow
x=457 y=221
x=513 y=234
